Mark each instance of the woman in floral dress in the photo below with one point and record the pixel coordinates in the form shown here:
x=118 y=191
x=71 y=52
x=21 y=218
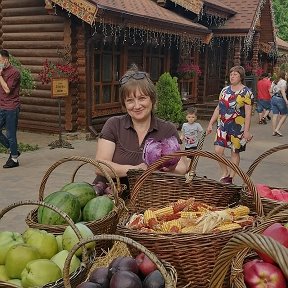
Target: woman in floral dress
x=233 y=116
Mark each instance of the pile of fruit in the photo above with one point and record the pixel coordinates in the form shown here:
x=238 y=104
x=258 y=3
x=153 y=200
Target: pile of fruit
x=126 y=272
x=37 y=257
x=274 y=194
x=264 y=272
x=77 y=199
x=190 y=216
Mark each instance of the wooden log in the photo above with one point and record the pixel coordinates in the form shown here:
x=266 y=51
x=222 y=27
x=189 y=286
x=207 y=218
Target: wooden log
x=23 y=11
x=45 y=53
x=23 y=3
x=35 y=62
x=39 y=101
x=41 y=117
x=49 y=27
x=39 y=109
x=38 y=126
x=35 y=44
x=38 y=19
x=28 y=36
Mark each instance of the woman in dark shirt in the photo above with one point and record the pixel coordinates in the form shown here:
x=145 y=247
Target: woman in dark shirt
x=122 y=138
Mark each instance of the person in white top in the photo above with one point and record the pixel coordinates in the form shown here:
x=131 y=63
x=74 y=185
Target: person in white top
x=279 y=103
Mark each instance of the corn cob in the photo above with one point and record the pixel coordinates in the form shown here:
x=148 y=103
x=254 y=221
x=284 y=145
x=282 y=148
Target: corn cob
x=192 y=215
x=169 y=217
x=182 y=204
x=228 y=227
x=239 y=211
x=150 y=219
x=163 y=211
x=191 y=229
x=167 y=226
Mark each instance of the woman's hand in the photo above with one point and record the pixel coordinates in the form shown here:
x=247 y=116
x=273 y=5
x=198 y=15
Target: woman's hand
x=209 y=129
x=142 y=166
x=247 y=136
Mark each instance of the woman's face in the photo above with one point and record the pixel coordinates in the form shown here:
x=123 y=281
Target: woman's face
x=138 y=105
x=235 y=78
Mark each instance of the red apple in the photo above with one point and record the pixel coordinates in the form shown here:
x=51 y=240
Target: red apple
x=259 y=274
x=146 y=266
x=279 y=233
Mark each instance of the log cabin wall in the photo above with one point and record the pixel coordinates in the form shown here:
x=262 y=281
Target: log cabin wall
x=31 y=35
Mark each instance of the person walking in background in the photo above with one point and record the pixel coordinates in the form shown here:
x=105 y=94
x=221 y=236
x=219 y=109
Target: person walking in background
x=9 y=107
x=191 y=130
x=122 y=139
x=233 y=116
x=279 y=103
x=263 y=98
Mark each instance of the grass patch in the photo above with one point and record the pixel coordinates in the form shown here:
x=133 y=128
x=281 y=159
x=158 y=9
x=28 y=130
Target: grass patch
x=22 y=147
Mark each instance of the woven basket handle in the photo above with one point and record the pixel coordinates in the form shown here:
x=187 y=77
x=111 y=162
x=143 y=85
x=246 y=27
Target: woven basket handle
x=168 y=280
x=193 y=164
x=251 y=187
x=95 y=163
x=240 y=242
x=85 y=257
x=264 y=155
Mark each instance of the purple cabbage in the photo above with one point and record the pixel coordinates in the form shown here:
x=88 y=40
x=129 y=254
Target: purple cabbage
x=154 y=150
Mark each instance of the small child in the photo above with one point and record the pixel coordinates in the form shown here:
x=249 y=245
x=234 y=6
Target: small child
x=191 y=130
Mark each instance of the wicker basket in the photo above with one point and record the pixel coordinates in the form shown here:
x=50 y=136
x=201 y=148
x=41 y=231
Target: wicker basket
x=81 y=273
x=238 y=249
x=105 y=225
x=268 y=204
x=168 y=272
x=192 y=255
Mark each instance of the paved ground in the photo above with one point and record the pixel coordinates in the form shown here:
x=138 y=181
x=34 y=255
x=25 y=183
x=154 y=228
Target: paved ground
x=23 y=182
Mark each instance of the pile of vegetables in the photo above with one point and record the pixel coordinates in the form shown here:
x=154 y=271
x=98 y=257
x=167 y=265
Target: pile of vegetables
x=128 y=272
x=263 y=271
x=154 y=150
x=190 y=216
x=274 y=194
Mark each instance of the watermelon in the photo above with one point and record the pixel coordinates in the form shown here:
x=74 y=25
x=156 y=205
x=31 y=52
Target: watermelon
x=65 y=202
x=82 y=190
x=97 y=208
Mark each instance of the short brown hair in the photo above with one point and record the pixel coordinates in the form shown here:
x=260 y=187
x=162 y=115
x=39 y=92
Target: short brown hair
x=145 y=84
x=240 y=70
x=191 y=110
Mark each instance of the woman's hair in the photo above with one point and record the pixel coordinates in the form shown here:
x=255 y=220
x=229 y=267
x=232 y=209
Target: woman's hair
x=280 y=75
x=134 y=79
x=240 y=70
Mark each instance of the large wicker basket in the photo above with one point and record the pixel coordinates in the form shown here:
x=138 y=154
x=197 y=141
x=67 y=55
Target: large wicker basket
x=107 y=224
x=193 y=255
x=239 y=249
x=168 y=272
x=81 y=273
x=268 y=204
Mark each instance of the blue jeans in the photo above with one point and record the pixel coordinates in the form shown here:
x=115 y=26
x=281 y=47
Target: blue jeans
x=9 y=120
x=279 y=105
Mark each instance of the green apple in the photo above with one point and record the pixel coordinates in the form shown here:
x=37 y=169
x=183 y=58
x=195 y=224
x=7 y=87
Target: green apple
x=59 y=242
x=3 y=273
x=60 y=258
x=17 y=257
x=45 y=242
x=40 y=272
x=7 y=240
x=16 y=282
x=69 y=238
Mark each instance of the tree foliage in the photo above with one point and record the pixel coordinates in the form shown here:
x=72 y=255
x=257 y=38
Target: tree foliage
x=280 y=8
x=169 y=105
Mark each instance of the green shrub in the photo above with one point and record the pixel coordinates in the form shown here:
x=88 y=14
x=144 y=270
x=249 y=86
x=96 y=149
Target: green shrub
x=22 y=147
x=27 y=83
x=169 y=105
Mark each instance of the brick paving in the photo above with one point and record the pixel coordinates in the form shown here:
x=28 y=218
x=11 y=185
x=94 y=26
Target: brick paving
x=23 y=182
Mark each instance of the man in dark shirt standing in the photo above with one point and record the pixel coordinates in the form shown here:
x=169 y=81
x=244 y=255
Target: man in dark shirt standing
x=9 y=107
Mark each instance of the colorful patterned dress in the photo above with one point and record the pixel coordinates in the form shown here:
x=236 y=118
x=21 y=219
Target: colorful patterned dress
x=231 y=118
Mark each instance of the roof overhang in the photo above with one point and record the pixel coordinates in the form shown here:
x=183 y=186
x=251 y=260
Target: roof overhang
x=94 y=12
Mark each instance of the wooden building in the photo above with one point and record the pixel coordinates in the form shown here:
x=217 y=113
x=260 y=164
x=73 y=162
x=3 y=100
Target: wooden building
x=104 y=37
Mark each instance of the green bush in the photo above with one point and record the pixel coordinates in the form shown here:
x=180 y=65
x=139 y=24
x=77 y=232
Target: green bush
x=27 y=83
x=22 y=147
x=169 y=105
